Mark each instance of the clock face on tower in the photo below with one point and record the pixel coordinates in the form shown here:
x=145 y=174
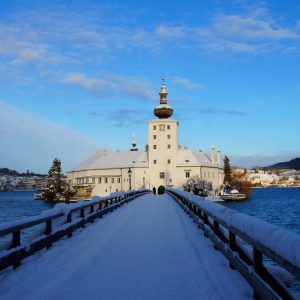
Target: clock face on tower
x=162 y=127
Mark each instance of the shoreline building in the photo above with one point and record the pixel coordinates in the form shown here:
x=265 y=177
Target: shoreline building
x=162 y=163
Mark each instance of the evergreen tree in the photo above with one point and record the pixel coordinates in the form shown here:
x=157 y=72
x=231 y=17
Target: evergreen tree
x=227 y=172
x=55 y=184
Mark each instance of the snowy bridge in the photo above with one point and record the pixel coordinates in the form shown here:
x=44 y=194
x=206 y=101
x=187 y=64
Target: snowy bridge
x=148 y=249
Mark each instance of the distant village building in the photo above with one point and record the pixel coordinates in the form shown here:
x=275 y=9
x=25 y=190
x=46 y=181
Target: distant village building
x=162 y=163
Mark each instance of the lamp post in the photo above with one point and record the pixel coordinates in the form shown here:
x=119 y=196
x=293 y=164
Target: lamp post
x=129 y=177
x=143 y=182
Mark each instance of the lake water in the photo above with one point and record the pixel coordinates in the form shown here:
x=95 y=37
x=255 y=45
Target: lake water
x=279 y=206
x=15 y=205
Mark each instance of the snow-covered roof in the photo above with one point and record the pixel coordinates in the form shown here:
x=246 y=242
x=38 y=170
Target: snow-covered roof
x=111 y=160
x=131 y=159
x=186 y=158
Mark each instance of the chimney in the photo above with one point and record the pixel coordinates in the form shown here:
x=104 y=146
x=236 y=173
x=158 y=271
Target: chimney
x=213 y=154
x=219 y=157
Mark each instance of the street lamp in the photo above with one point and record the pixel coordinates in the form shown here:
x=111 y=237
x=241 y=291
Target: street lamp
x=143 y=182
x=129 y=176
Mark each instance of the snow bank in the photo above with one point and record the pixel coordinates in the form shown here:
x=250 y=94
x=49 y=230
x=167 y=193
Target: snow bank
x=283 y=242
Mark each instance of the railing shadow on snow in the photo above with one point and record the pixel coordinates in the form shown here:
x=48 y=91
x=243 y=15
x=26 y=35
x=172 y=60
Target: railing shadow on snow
x=245 y=241
x=58 y=222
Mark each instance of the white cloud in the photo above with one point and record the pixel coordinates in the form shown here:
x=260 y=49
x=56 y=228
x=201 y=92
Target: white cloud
x=186 y=83
x=30 y=142
x=253 y=33
x=165 y=31
x=112 y=86
x=92 y=84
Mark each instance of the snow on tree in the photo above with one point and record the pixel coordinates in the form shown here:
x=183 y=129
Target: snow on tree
x=55 y=184
x=198 y=186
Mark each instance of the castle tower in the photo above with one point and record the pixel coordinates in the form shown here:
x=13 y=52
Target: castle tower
x=163 y=143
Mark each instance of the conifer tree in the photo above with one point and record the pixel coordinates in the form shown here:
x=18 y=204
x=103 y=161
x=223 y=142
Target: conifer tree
x=55 y=183
x=227 y=172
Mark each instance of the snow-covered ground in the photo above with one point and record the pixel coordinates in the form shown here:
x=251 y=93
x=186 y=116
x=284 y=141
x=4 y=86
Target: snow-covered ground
x=147 y=249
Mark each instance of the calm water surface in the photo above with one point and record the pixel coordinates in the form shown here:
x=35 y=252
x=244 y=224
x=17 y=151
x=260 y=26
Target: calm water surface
x=279 y=206
x=15 y=205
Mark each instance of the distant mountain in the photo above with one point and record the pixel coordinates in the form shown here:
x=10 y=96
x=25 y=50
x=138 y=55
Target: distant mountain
x=7 y=171
x=292 y=164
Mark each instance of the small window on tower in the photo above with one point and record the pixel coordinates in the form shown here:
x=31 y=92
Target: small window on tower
x=169 y=136
x=154 y=161
x=187 y=174
x=154 y=127
x=105 y=180
x=154 y=146
x=169 y=146
x=169 y=161
x=161 y=175
x=99 y=180
x=154 y=137
x=119 y=180
x=168 y=126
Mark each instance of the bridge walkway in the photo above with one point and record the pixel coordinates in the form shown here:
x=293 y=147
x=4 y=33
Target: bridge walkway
x=148 y=249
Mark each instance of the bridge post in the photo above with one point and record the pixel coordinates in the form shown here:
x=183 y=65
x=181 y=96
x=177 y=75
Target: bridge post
x=232 y=245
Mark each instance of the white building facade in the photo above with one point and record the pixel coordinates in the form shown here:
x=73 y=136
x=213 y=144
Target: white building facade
x=161 y=163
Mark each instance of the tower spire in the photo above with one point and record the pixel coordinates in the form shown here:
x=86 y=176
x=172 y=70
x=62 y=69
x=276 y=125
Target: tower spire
x=163 y=92
x=163 y=111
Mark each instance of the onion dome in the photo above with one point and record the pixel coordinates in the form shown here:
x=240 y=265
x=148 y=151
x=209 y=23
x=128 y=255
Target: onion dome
x=163 y=111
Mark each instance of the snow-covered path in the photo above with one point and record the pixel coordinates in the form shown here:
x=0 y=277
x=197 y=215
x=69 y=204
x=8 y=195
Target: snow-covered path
x=147 y=249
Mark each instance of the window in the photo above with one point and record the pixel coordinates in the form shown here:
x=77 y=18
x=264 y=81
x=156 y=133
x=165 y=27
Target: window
x=169 y=161
x=154 y=161
x=187 y=174
x=105 y=180
x=162 y=127
x=154 y=127
x=169 y=146
x=161 y=175
x=112 y=180
x=117 y=190
x=169 y=136
x=119 y=180
x=99 y=180
x=168 y=126
x=154 y=146
x=93 y=180
x=154 y=137
x=86 y=180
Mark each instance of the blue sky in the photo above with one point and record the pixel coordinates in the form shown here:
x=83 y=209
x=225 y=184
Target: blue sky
x=77 y=76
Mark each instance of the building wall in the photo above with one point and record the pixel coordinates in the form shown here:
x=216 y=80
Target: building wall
x=106 y=181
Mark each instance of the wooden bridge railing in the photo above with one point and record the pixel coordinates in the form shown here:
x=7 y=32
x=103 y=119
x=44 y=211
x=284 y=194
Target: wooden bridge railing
x=244 y=241
x=74 y=216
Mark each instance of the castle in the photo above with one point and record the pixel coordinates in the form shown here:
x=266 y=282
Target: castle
x=162 y=163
